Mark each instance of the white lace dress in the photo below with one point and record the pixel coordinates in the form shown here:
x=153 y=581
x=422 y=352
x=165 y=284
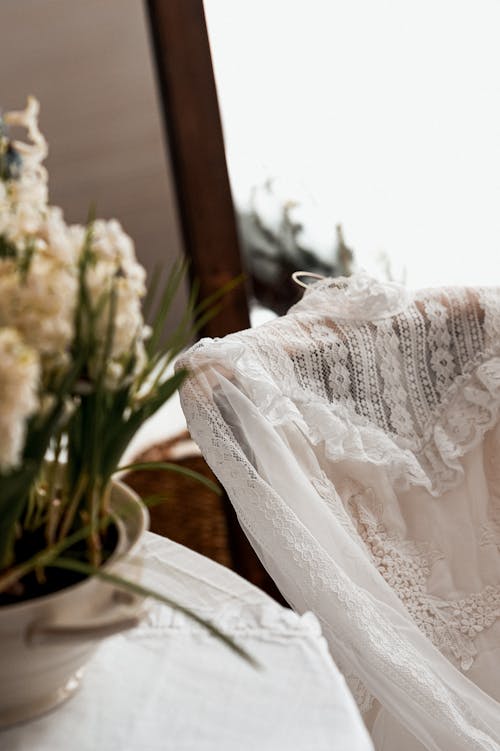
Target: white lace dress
x=358 y=438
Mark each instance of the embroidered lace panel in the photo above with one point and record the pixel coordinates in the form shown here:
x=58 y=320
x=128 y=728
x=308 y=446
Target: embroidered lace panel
x=415 y=390
x=452 y=625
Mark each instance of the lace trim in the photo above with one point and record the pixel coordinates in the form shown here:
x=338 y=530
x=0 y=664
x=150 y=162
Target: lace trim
x=388 y=651
x=451 y=625
x=413 y=393
x=490 y=533
x=359 y=297
x=358 y=625
x=363 y=698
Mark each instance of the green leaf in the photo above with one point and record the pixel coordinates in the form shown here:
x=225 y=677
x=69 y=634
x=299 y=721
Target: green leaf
x=119 y=432
x=152 y=287
x=14 y=490
x=137 y=589
x=175 y=276
x=45 y=556
x=172 y=467
x=216 y=296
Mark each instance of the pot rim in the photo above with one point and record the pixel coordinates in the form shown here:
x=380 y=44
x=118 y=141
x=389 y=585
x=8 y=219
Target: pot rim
x=119 y=552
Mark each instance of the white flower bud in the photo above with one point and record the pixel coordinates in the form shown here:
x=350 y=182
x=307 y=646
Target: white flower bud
x=19 y=378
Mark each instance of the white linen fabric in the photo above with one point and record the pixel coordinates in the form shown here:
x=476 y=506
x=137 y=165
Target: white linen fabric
x=358 y=439
x=170 y=686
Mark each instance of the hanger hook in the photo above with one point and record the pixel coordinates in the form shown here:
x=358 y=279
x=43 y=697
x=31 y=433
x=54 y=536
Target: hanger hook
x=297 y=277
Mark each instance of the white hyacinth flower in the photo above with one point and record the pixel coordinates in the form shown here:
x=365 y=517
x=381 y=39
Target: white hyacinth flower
x=58 y=240
x=40 y=301
x=111 y=245
x=19 y=379
x=27 y=193
x=114 y=274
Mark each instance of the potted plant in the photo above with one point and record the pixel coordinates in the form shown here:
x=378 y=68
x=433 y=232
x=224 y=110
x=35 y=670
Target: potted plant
x=79 y=374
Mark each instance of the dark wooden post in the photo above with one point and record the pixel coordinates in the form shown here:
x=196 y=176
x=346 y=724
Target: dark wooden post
x=194 y=135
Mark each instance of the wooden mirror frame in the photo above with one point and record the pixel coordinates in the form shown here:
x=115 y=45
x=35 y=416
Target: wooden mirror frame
x=193 y=133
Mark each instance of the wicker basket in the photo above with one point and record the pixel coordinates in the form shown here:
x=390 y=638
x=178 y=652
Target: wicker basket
x=190 y=513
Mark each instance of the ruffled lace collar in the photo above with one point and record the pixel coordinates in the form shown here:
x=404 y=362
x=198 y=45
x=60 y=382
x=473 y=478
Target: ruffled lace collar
x=359 y=297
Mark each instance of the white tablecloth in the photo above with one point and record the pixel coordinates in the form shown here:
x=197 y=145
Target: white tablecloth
x=170 y=686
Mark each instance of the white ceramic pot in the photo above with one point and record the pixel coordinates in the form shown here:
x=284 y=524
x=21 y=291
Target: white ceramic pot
x=46 y=642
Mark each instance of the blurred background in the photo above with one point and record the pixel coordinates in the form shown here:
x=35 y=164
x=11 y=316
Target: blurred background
x=90 y=64
x=381 y=116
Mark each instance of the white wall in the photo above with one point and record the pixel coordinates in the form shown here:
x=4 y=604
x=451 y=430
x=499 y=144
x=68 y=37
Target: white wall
x=383 y=115
x=89 y=63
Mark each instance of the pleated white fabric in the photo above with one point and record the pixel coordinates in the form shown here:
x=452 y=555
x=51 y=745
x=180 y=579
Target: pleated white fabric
x=358 y=439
